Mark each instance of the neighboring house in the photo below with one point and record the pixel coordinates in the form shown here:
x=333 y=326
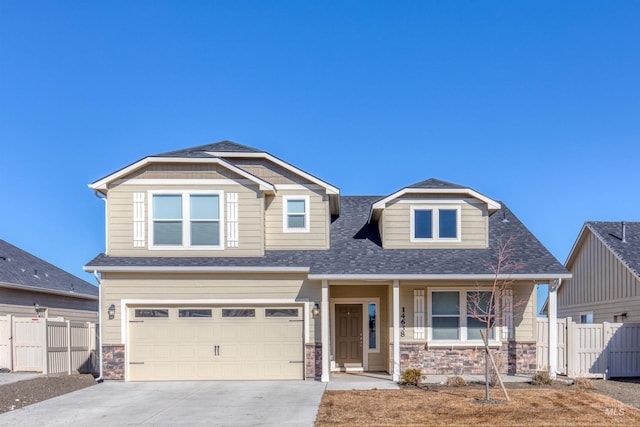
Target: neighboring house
x=605 y=264
x=225 y=262
x=31 y=287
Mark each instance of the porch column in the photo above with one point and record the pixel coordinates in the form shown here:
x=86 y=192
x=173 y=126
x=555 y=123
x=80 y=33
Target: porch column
x=325 y=331
x=552 y=308
x=396 y=330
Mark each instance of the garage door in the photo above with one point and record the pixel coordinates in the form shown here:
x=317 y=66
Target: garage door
x=215 y=343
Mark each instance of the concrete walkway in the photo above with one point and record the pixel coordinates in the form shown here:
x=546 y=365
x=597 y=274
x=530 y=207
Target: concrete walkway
x=219 y=403
x=361 y=381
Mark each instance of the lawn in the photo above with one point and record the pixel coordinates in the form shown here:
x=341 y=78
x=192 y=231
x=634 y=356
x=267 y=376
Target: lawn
x=463 y=406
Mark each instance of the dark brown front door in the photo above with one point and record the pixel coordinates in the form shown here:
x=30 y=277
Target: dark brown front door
x=348 y=334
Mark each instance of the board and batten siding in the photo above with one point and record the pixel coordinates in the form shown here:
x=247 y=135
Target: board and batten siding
x=395 y=227
x=601 y=284
x=201 y=286
x=120 y=211
x=20 y=303
x=319 y=219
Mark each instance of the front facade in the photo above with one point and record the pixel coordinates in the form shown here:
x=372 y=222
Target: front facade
x=225 y=262
x=31 y=287
x=605 y=264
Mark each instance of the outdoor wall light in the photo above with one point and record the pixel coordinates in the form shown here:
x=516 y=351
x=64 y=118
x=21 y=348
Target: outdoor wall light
x=112 y=311
x=316 y=310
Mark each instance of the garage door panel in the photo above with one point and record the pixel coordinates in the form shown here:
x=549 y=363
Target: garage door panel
x=215 y=348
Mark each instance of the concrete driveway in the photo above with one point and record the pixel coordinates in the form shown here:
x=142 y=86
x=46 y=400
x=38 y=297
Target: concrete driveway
x=237 y=403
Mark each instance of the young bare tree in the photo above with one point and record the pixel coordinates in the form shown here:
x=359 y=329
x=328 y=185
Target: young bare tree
x=492 y=304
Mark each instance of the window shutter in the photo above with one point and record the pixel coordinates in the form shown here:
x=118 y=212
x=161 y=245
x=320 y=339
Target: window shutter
x=418 y=314
x=232 y=220
x=138 y=220
x=507 y=314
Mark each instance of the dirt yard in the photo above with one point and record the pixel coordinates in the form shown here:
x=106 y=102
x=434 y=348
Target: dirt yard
x=446 y=406
x=27 y=392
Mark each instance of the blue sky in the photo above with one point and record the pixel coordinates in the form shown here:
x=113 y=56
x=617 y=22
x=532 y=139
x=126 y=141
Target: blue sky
x=533 y=103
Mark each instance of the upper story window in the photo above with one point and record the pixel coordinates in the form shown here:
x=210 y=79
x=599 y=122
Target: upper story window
x=435 y=223
x=190 y=220
x=295 y=213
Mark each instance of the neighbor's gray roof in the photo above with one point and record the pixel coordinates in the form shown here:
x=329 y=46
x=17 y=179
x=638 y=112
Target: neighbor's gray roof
x=611 y=234
x=356 y=249
x=201 y=150
x=22 y=269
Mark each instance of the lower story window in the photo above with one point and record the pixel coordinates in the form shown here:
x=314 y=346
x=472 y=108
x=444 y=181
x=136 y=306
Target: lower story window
x=460 y=315
x=445 y=320
x=373 y=319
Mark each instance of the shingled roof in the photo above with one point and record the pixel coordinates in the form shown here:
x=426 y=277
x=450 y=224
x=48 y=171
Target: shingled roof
x=20 y=269
x=610 y=233
x=202 y=150
x=356 y=250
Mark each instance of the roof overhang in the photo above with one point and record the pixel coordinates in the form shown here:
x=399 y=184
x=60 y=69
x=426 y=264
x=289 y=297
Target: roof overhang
x=101 y=185
x=48 y=291
x=535 y=277
x=193 y=269
x=330 y=189
x=577 y=244
x=492 y=205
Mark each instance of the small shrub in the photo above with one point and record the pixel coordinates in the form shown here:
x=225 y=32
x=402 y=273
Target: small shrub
x=541 y=378
x=456 y=381
x=584 y=383
x=411 y=377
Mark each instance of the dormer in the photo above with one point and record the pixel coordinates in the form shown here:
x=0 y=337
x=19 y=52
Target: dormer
x=222 y=199
x=434 y=214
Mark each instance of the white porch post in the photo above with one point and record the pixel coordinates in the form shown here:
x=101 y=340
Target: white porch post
x=396 y=330
x=325 y=331
x=552 y=308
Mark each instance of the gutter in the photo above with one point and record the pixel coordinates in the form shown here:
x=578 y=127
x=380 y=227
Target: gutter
x=437 y=276
x=95 y=274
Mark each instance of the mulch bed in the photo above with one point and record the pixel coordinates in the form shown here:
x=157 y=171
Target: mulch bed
x=27 y=392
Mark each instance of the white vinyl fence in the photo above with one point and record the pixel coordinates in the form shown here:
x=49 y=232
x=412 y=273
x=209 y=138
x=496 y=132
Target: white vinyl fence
x=49 y=346
x=592 y=350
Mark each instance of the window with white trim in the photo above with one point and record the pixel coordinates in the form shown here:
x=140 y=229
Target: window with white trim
x=295 y=211
x=435 y=223
x=456 y=316
x=373 y=325
x=188 y=220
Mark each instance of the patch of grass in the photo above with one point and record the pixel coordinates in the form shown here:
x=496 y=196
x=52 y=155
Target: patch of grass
x=584 y=383
x=458 y=406
x=456 y=381
x=541 y=378
x=411 y=377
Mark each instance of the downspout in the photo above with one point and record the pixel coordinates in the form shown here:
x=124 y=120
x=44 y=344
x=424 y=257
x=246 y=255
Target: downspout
x=95 y=274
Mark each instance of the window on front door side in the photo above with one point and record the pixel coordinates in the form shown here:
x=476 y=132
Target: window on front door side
x=186 y=220
x=434 y=224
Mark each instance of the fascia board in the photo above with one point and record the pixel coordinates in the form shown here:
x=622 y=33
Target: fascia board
x=381 y=204
x=102 y=184
x=195 y=269
x=438 y=276
x=328 y=187
x=577 y=245
x=49 y=291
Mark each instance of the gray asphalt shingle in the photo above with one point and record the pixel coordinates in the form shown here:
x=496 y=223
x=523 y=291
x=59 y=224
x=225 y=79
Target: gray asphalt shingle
x=356 y=249
x=18 y=267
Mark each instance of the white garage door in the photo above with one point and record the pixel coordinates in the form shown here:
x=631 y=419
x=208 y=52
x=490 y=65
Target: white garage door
x=215 y=343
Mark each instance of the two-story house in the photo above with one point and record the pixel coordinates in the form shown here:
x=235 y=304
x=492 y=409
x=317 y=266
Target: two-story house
x=226 y=262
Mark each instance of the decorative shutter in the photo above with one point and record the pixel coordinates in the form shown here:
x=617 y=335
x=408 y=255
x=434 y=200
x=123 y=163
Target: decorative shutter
x=418 y=314
x=232 y=220
x=507 y=314
x=138 y=220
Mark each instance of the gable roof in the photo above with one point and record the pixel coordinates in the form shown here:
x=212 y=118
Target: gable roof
x=21 y=270
x=610 y=234
x=356 y=252
x=205 y=150
x=433 y=186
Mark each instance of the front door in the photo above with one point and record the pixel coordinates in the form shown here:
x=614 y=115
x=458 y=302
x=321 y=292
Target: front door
x=349 y=334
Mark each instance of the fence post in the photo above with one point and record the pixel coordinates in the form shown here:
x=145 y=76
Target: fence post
x=10 y=329
x=568 y=347
x=69 y=347
x=45 y=346
x=606 y=331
